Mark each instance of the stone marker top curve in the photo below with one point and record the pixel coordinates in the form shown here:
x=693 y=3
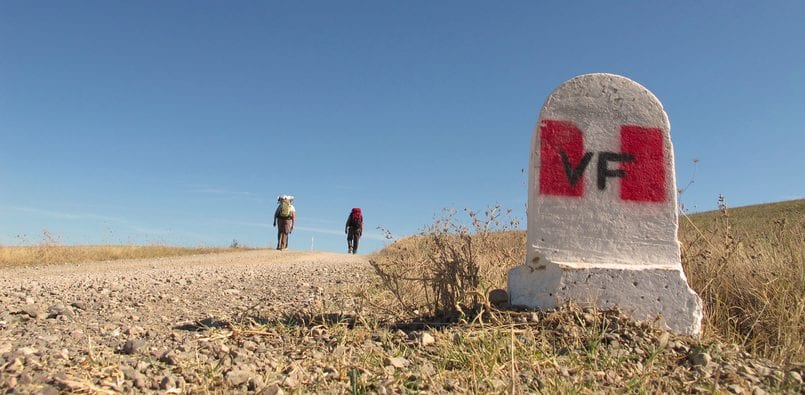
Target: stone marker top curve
x=599 y=226
x=605 y=94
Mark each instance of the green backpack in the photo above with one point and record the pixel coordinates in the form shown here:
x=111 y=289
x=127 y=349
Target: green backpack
x=285 y=209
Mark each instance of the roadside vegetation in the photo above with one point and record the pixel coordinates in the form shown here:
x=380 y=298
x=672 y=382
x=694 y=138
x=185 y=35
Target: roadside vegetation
x=747 y=264
x=569 y=350
x=447 y=271
x=50 y=254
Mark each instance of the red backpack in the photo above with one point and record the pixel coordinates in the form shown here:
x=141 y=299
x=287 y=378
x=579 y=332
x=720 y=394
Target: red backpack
x=356 y=217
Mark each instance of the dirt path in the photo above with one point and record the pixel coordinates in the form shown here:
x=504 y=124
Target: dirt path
x=225 y=324
x=61 y=325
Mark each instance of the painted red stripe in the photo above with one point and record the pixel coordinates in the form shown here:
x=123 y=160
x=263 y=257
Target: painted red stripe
x=557 y=137
x=645 y=175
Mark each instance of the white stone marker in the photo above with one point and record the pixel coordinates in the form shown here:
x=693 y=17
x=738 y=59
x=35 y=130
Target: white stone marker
x=602 y=210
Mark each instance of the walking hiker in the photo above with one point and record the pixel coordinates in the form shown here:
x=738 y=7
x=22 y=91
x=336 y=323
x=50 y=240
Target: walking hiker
x=354 y=229
x=285 y=216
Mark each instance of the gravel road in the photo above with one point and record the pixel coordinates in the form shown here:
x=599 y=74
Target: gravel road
x=230 y=323
x=127 y=325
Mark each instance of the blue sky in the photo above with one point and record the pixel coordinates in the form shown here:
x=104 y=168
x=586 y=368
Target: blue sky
x=180 y=122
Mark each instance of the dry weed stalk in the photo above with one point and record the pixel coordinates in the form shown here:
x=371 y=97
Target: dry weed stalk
x=446 y=270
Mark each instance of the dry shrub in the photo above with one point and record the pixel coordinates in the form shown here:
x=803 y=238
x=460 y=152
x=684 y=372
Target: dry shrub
x=747 y=266
x=446 y=270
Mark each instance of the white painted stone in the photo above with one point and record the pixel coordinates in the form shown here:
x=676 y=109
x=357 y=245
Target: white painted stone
x=596 y=236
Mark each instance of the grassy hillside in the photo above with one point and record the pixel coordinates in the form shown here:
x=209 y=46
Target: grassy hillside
x=755 y=220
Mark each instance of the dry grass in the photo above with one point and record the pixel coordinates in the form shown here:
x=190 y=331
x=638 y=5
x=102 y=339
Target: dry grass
x=747 y=265
x=49 y=254
x=569 y=350
x=446 y=270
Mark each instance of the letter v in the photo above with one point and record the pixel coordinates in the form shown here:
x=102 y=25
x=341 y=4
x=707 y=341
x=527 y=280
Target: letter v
x=574 y=173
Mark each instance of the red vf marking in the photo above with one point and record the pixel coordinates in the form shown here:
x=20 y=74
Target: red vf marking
x=645 y=176
x=563 y=162
x=558 y=138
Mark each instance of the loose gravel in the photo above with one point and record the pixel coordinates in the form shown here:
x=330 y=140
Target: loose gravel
x=125 y=326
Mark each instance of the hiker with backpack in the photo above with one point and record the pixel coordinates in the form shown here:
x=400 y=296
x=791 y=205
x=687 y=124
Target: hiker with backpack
x=285 y=216
x=354 y=229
